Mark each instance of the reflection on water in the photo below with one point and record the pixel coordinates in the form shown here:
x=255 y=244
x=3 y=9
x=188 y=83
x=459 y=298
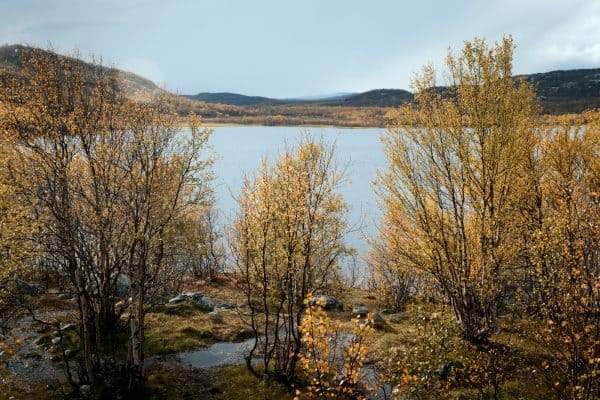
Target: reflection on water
x=223 y=353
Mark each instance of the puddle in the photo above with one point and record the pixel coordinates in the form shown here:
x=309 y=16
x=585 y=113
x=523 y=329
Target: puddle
x=222 y=353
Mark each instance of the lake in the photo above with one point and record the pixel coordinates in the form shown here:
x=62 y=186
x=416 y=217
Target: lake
x=239 y=151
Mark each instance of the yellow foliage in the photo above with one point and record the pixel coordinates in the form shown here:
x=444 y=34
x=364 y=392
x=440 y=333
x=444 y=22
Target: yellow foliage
x=331 y=358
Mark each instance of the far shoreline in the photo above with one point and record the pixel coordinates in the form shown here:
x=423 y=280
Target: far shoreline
x=233 y=124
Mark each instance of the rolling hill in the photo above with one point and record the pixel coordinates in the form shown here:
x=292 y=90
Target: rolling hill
x=135 y=86
x=568 y=91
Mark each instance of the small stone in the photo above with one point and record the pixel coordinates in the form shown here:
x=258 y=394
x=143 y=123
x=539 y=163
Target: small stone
x=85 y=390
x=68 y=327
x=226 y=306
x=360 y=311
x=328 y=302
x=378 y=321
x=64 y=296
x=69 y=353
x=216 y=316
x=56 y=340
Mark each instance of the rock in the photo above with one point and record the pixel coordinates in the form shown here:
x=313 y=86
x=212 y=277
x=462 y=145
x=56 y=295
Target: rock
x=28 y=288
x=398 y=317
x=56 y=340
x=360 y=311
x=329 y=302
x=226 y=306
x=388 y=311
x=68 y=327
x=69 y=353
x=123 y=285
x=64 y=296
x=56 y=333
x=378 y=321
x=204 y=302
x=216 y=316
x=85 y=390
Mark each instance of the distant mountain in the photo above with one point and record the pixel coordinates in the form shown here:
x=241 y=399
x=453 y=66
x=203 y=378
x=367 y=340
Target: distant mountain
x=234 y=99
x=326 y=97
x=373 y=98
x=559 y=92
x=135 y=86
x=569 y=91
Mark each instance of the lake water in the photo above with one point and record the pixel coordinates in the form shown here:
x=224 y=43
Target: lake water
x=240 y=150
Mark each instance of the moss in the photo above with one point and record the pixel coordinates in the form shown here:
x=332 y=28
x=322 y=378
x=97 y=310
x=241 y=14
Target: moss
x=237 y=383
x=172 y=329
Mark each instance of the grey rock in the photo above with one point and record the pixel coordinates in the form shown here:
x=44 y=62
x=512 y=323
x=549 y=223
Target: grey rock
x=68 y=327
x=360 y=311
x=64 y=296
x=31 y=289
x=85 y=390
x=398 y=317
x=56 y=340
x=378 y=320
x=204 y=302
x=69 y=353
x=226 y=306
x=330 y=302
x=56 y=333
x=216 y=316
x=178 y=299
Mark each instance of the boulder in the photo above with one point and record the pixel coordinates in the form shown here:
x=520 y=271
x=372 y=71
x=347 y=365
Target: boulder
x=226 y=306
x=329 y=302
x=178 y=299
x=202 y=301
x=85 y=390
x=378 y=321
x=68 y=327
x=31 y=289
x=360 y=311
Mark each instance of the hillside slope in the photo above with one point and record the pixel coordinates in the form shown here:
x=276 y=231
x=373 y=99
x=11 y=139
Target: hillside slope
x=135 y=86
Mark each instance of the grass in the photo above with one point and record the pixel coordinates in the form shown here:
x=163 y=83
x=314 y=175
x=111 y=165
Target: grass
x=180 y=327
x=237 y=383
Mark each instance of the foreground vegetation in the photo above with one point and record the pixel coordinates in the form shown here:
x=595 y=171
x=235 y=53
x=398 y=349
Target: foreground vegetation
x=485 y=269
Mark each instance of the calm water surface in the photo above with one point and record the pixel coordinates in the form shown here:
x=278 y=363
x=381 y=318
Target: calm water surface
x=240 y=149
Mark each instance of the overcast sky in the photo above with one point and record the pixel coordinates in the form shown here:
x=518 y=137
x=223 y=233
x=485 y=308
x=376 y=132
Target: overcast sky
x=283 y=48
